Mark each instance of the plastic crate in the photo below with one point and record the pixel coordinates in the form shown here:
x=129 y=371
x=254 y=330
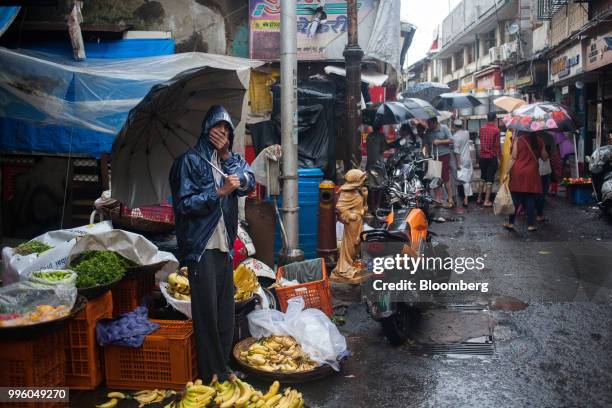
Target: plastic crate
x=84 y=369
x=316 y=294
x=160 y=213
x=581 y=194
x=130 y=292
x=40 y=362
x=166 y=360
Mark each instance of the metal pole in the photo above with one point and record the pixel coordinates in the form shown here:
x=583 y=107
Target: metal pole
x=352 y=56
x=289 y=131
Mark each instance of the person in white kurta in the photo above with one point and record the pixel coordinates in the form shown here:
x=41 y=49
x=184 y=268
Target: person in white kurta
x=461 y=148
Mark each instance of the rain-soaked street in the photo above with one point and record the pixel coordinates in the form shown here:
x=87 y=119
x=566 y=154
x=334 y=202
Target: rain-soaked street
x=554 y=352
x=548 y=313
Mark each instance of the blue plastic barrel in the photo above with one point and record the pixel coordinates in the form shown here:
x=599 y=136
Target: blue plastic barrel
x=308 y=201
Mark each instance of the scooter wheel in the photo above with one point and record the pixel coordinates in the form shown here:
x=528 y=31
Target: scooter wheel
x=397 y=327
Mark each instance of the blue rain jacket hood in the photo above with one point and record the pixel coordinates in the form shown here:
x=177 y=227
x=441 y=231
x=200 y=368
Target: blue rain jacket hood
x=197 y=206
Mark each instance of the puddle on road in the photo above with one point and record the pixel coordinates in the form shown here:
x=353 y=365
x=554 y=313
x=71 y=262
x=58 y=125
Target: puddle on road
x=507 y=303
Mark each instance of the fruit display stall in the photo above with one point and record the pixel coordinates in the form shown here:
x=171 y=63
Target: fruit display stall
x=579 y=190
x=96 y=308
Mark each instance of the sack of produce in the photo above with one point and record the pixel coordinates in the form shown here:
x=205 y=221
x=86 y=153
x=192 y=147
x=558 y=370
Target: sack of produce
x=129 y=249
x=47 y=251
x=25 y=303
x=53 y=277
x=315 y=333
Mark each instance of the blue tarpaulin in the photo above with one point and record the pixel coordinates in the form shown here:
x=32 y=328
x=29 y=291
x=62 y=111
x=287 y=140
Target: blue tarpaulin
x=7 y=15
x=127 y=48
x=53 y=104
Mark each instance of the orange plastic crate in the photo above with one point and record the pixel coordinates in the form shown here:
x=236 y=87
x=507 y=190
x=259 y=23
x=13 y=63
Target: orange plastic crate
x=128 y=294
x=40 y=362
x=84 y=370
x=166 y=360
x=316 y=294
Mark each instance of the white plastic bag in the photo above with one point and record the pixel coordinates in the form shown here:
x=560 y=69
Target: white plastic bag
x=61 y=241
x=68 y=281
x=183 y=306
x=311 y=328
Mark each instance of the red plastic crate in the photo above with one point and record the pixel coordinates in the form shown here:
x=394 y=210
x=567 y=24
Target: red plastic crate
x=129 y=293
x=316 y=294
x=40 y=362
x=84 y=370
x=160 y=213
x=166 y=360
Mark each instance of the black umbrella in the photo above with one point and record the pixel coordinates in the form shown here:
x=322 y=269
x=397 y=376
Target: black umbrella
x=425 y=90
x=419 y=108
x=392 y=113
x=455 y=101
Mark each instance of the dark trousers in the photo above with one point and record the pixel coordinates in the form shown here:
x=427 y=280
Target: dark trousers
x=528 y=200
x=212 y=309
x=541 y=200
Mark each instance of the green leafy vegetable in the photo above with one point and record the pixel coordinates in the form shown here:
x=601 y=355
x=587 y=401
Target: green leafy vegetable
x=99 y=268
x=32 y=247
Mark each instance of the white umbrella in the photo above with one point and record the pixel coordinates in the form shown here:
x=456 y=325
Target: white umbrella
x=166 y=123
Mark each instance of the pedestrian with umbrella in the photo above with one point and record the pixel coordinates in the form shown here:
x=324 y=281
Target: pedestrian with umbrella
x=527 y=148
x=206 y=182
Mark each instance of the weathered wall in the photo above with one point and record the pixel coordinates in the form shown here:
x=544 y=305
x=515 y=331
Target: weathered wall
x=215 y=26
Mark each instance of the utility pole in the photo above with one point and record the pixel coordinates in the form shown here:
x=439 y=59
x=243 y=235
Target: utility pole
x=289 y=130
x=352 y=56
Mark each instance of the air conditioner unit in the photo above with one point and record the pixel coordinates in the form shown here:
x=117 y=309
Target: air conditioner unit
x=508 y=50
x=494 y=54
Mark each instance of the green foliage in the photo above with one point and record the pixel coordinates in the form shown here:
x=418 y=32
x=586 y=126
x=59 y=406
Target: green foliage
x=32 y=247
x=99 y=268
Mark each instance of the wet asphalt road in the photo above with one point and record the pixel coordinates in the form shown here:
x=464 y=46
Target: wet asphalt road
x=555 y=352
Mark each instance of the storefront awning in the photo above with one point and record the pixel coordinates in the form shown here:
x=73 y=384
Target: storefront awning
x=370 y=77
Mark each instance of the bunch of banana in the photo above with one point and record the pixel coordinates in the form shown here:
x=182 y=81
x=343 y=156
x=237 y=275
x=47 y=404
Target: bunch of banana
x=278 y=353
x=178 y=285
x=197 y=395
x=144 y=397
x=290 y=398
x=147 y=397
x=245 y=281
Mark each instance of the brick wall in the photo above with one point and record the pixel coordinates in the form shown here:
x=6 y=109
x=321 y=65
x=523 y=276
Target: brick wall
x=567 y=21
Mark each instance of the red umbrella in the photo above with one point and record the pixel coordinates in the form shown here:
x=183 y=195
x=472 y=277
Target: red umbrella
x=541 y=116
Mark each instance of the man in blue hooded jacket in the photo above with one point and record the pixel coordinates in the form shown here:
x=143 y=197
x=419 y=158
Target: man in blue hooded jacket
x=206 y=216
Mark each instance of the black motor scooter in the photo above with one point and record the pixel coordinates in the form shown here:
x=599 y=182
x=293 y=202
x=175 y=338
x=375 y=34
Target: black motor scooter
x=600 y=166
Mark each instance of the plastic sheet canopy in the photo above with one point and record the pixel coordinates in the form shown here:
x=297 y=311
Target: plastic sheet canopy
x=52 y=104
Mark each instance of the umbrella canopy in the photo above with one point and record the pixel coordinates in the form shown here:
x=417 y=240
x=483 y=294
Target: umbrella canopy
x=392 y=113
x=541 y=116
x=166 y=123
x=427 y=91
x=509 y=103
x=450 y=101
x=419 y=108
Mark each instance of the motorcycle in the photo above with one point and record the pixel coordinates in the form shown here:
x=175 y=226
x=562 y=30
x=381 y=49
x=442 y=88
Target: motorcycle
x=600 y=165
x=403 y=229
